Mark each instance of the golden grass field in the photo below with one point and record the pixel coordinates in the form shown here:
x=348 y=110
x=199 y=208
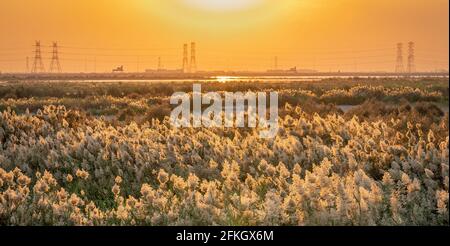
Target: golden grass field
x=105 y=154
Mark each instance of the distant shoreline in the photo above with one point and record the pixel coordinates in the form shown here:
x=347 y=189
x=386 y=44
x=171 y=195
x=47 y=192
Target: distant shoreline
x=211 y=75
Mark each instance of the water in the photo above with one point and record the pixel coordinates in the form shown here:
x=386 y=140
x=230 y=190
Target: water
x=226 y=79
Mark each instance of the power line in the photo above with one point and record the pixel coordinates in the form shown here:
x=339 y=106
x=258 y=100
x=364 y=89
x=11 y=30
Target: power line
x=111 y=55
x=55 y=58
x=318 y=57
x=185 y=59
x=399 y=63
x=411 y=58
x=193 y=64
x=38 y=66
x=118 y=49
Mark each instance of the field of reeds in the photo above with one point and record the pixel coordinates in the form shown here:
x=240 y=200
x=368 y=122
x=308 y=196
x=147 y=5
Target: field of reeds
x=348 y=152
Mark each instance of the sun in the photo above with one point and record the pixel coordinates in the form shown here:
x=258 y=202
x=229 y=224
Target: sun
x=219 y=17
x=222 y=5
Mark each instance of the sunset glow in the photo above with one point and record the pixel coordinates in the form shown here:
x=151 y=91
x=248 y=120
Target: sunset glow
x=222 y=5
x=339 y=35
x=253 y=114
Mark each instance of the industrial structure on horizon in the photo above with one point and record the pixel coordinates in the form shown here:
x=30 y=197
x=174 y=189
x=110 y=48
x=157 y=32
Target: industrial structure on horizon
x=411 y=66
x=189 y=62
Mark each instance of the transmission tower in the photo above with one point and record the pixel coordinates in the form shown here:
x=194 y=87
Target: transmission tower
x=185 y=59
x=399 y=65
x=38 y=66
x=193 y=64
x=411 y=58
x=55 y=59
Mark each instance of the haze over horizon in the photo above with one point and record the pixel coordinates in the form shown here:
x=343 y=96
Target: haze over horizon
x=339 y=35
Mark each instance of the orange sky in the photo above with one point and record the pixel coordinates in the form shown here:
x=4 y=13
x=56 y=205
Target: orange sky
x=327 y=35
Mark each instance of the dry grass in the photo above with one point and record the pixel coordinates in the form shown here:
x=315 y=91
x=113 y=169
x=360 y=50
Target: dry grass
x=377 y=164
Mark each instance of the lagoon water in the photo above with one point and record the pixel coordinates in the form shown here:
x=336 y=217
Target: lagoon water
x=226 y=79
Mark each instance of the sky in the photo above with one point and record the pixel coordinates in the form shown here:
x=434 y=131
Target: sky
x=325 y=35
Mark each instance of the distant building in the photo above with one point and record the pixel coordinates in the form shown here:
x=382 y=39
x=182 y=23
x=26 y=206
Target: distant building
x=118 y=69
x=291 y=70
